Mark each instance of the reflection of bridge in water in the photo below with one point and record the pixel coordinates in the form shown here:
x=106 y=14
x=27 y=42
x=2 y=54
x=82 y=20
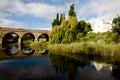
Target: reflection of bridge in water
x=21 y=55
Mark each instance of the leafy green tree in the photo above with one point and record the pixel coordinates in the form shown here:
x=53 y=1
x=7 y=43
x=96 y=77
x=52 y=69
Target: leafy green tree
x=116 y=25
x=84 y=27
x=69 y=36
x=72 y=22
x=70 y=30
x=87 y=28
x=116 y=30
x=81 y=25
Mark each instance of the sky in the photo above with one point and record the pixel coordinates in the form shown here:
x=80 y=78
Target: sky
x=39 y=14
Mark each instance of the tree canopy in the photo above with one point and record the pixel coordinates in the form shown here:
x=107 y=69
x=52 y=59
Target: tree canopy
x=67 y=31
x=71 y=11
x=116 y=25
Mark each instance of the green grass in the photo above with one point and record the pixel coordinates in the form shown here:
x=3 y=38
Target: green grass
x=86 y=48
x=39 y=45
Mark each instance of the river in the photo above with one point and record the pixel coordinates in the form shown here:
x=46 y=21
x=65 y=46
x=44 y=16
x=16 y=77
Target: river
x=58 y=67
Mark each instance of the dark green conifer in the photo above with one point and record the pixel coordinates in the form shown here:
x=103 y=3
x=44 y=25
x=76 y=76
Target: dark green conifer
x=71 y=11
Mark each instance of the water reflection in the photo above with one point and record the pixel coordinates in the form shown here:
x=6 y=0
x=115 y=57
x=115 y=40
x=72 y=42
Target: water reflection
x=45 y=51
x=27 y=69
x=85 y=69
x=11 y=49
x=116 y=71
x=27 y=50
x=61 y=67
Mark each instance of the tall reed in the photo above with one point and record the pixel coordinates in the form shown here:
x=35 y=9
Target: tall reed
x=86 y=48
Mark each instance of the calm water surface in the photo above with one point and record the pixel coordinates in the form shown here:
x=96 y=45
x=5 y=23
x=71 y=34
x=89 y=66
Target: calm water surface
x=58 y=67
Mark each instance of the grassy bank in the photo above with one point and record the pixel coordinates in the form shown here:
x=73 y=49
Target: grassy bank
x=86 y=48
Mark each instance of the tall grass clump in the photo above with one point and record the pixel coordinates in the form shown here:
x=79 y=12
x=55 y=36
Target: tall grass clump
x=39 y=45
x=59 y=48
x=91 y=48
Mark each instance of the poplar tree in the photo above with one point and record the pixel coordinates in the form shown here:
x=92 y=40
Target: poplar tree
x=62 y=16
x=71 y=11
x=56 y=21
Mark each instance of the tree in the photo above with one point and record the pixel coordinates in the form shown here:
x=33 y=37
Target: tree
x=70 y=30
x=87 y=28
x=116 y=25
x=56 y=21
x=84 y=27
x=62 y=16
x=71 y=11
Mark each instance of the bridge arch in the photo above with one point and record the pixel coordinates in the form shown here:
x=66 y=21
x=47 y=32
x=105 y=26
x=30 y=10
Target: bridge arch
x=28 y=35
x=27 y=38
x=10 y=37
x=43 y=36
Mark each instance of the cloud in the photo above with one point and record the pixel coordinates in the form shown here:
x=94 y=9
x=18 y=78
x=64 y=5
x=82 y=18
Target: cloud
x=89 y=10
x=41 y=10
x=20 y=8
x=4 y=4
x=96 y=9
x=11 y=24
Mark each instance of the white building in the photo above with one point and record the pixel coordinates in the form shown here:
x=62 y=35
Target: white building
x=102 y=26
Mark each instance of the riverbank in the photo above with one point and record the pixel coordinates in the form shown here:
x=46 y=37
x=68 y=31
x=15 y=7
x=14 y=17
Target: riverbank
x=91 y=48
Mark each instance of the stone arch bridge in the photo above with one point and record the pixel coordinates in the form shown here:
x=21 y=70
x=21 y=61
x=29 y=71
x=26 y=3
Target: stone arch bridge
x=21 y=32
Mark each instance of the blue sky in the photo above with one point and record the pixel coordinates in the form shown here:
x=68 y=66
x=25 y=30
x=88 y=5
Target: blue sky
x=38 y=14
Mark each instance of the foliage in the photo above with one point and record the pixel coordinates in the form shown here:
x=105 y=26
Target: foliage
x=38 y=45
x=72 y=22
x=62 y=17
x=28 y=36
x=116 y=30
x=115 y=37
x=81 y=40
x=69 y=30
x=27 y=42
x=91 y=48
x=72 y=30
x=103 y=38
x=71 y=11
x=84 y=27
x=116 y=25
x=58 y=20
